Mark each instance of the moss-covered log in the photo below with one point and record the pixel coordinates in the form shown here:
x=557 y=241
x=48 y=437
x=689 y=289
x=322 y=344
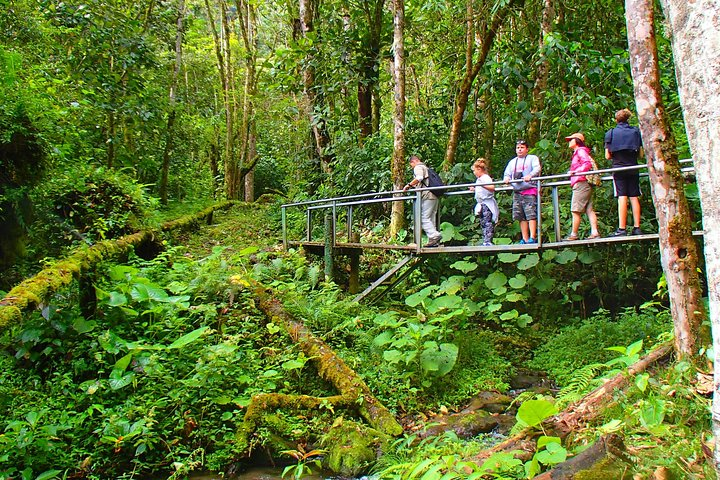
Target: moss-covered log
x=606 y=458
x=578 y=413
x=353 y=393
x=39 y=289
x=331 y=368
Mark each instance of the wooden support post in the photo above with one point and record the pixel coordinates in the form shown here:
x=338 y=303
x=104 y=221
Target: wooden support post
x=328 y=247
x=354 y=280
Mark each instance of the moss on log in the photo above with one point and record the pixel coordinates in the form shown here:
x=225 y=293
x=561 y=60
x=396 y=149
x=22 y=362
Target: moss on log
x=37 y=290
x=353 y=392
x=330 y=367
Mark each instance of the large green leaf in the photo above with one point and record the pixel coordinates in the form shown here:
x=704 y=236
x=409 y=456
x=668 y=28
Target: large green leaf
x=566 y=256
x=528 y=261
x=508 y=257
x=589 y=256
x=495 y=280
x=464 y=266
x=438 y=360
x=518 y=281
x=418 y=297
x=533 y=412
x=119 y=379
x=188 y=338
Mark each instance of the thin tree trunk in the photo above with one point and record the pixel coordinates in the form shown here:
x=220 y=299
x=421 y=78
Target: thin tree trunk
x=313 y=100
x=471 y=72
x=696 y=51
x=541 y=76
x=169 y=132
x=677 y=247
x=397 y=169
x=247 y=18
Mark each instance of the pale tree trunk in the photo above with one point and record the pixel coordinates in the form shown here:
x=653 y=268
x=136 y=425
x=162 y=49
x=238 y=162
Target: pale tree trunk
x=542 y=74
x=485 y=39
x=678 y=250
x=247 y=19
x=225 y=70
x=169 y=131
x=696 y=50
x=397 y=169
x=308 y=11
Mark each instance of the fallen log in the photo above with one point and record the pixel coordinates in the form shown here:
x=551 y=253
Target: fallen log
x=353 y=390
x=604 y=459
x=578 y=413
x=37 y=290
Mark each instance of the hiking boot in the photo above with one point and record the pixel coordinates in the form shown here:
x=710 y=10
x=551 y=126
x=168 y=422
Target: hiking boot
x=620 y=232
x=636 y=231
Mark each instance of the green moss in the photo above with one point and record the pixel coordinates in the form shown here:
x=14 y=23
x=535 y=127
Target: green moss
x=604 y=469
x=352 y=447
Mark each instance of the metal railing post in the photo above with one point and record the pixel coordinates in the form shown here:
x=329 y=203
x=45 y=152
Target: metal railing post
x=417 y=220
x=556 y=213
x=538 y=214
x=284 y=229
x=308 y=225
x=349 y=222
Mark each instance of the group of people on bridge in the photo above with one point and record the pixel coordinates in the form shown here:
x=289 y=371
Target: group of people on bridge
x=623 y=146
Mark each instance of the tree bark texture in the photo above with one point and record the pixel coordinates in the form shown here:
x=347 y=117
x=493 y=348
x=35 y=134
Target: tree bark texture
x=695 y=31
x=397 y=169
x=678 y=249
x=169 y=131
x=472 y=69
x=314 y=102
x=542 y=73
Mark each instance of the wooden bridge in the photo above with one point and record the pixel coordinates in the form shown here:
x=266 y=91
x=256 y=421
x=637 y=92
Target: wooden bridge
x=335 y=232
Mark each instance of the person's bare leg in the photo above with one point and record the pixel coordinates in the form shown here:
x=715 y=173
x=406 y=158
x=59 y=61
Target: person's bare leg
x=635 y=204
x=576 y=219
x=622 y=212
x=532 y=228
x=592 y=217
x=524 y=230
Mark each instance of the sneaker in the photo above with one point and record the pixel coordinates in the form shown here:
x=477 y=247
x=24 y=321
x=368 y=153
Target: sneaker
x=619 y=232
x=571 y=238
x=432 y=245
x=636 y=231
x=522 y=242
x=487 y=244
x=531 y=240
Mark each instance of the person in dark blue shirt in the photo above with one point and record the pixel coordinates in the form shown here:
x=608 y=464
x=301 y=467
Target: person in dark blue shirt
x=623 y=146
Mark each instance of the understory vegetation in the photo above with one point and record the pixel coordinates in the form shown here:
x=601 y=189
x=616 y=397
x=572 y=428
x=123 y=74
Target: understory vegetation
x=153 y=372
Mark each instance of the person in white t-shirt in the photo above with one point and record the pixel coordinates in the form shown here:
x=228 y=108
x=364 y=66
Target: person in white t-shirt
x=486 y=208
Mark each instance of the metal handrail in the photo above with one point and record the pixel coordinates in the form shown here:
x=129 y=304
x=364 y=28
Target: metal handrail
x=349 y=201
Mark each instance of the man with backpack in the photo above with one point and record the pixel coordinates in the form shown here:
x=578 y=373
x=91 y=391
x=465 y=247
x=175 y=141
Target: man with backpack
x=429 y=201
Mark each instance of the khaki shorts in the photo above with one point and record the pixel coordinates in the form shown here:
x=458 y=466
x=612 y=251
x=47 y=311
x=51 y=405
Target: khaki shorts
x=581 y=198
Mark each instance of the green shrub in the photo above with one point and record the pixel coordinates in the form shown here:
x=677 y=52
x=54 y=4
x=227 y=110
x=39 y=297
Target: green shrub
x=585 y=342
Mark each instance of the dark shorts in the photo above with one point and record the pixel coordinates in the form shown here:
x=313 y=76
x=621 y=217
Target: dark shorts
x=627 y=184
x=524 y=207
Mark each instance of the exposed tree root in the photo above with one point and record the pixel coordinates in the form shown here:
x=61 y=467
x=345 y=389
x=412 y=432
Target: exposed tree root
x=353 y=392
x=37 y=290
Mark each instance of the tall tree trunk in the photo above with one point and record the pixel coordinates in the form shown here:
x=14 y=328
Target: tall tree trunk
x=225 y=70
x=677 y=247
x=314 y=101
x=696 y=51
x=542 y=73
x=169 y=131
x=247 y=18
x=397 y=169
x=472 y=68
x=369 y=75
